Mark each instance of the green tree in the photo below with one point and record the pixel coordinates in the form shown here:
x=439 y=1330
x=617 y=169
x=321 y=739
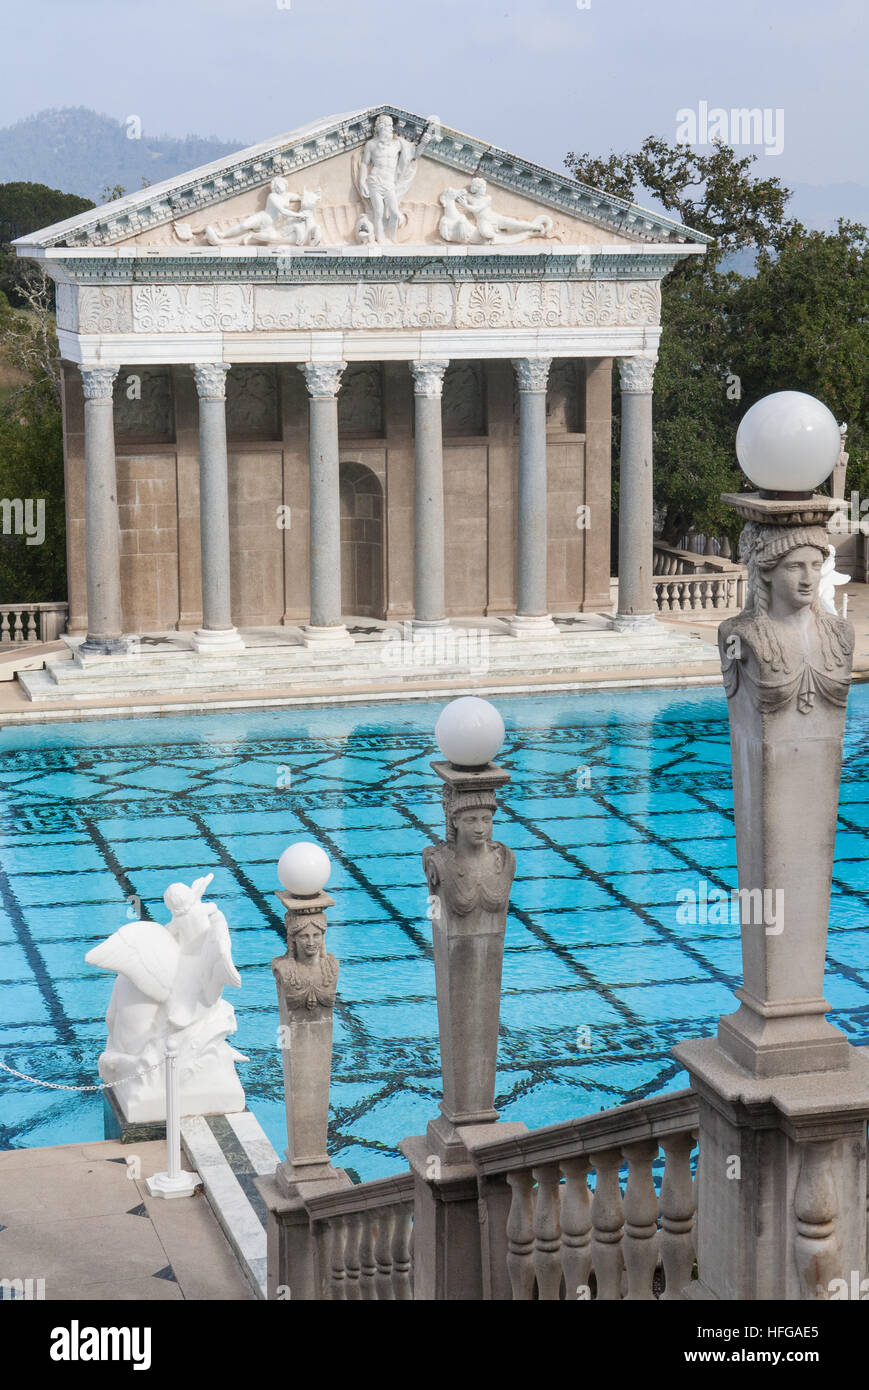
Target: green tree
x=27 y=207
x=697 y=406
x=31 y=466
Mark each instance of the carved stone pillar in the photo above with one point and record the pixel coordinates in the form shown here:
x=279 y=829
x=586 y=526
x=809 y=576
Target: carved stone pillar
x=102 y=533
x=428 y=508
x=532 y=617
x=323 y=380
x=217 y=633
x=783 y=1097
x=636 y=605
x=469 y=879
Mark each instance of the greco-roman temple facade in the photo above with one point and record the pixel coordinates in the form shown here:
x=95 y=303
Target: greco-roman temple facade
x=361 y=370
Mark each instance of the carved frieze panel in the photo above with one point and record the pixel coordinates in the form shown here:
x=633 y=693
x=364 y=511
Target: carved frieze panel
x=252 y=403
x=66 y=305
x=360 y=400
x=464 y=404
x=604 y=303
x=104 y=309
x=192 y=308
x=143 y=406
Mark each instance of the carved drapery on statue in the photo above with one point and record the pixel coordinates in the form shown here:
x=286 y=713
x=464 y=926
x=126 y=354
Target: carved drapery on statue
x=804 y=652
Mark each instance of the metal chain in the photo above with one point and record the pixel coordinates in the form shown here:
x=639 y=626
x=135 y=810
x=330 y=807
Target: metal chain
x=105 y=1086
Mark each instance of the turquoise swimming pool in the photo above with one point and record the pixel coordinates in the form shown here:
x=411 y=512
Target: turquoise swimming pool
x=617 y=802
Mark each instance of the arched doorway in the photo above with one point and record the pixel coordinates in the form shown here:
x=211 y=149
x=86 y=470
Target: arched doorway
x=362 y=585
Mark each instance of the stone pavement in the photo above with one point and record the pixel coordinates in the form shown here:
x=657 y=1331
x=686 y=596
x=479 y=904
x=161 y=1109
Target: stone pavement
x=73 y=1216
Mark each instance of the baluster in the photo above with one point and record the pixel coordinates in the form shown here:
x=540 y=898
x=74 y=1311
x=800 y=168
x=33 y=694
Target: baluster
x=383 y=1290
x=724 y=548
x=337 y=1283
x=18 y=632
x=402 y=1255
x=661 y=592
x=547 y=1232
x=520 y=1235
x=641 y=1220
x=677 y=1215
x=817 y=1247
x=352 y=1267
x=607 y=1219
x=4 y=628
x=676 y=597
x=367 y=1262
x=31 y=626
x=576 y=1227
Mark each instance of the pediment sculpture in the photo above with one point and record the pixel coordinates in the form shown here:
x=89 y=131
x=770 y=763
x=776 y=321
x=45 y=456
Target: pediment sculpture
x=278 y=224
x=469 y=218
x=170 y=982
x=787 y=645
x=383 y=177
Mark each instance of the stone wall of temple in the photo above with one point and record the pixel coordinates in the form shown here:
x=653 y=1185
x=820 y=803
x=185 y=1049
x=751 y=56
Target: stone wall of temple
x=156 y=427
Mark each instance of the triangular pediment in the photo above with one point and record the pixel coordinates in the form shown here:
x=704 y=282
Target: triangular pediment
x=449 y=189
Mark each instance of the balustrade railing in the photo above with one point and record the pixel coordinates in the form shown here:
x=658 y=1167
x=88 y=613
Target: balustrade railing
x=571 y=1231
x=362 y=1239
x=686 y=582
x=31 y=622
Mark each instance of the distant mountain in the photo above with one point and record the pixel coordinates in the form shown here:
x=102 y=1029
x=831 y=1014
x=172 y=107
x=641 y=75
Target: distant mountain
x=80 y=151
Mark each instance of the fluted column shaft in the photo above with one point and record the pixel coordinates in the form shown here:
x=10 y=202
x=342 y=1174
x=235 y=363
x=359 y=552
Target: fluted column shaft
x=428 y=514
x=102 y=532
x=532 y=616
x=636 y=606
x=217 y=631
x=323 y=380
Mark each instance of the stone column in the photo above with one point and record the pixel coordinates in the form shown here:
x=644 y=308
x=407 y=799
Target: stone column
x=102 y=532
x=428 y=506
x=469 y=879
x=323 y=380
x=636 y=605
x=217 y=633
x=532 y=618
x=783 y=1096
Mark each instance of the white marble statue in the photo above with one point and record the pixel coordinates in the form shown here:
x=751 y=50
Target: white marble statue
x=830 y=581
x=279 y=223
x=170 y=982
x=385 y=173
x=469 y=218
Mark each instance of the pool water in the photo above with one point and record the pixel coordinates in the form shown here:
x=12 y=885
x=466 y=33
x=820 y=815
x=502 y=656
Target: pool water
x=617 y=802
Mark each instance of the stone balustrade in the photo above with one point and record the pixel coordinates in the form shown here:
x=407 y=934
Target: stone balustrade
x=685 y=582
x=361 y=1240
x=31 y=622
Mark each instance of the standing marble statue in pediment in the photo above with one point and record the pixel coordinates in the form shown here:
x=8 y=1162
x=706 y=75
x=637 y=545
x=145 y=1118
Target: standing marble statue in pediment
x=385 y=174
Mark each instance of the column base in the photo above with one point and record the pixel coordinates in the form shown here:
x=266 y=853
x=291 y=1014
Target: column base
x=215 y=640
x=291 y=1178
x=768 y=1043
x=161 y=1185
x=635 y=622
x=428 y=624
x=333 y=636
x=107 y=646
x=522 y=625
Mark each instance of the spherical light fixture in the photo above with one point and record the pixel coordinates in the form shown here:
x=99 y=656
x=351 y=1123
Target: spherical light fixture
x=469 y=732
x=788 y=443
x=304 y=869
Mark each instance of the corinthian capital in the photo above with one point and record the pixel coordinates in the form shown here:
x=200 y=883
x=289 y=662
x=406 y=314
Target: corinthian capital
x=211 y=380
x=98 y=382
x=428 y=378
x=637 y=373
x=532 y=373
x=322 y=378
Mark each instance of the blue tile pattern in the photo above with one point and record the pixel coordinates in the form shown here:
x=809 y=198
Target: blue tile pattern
x=617 y=803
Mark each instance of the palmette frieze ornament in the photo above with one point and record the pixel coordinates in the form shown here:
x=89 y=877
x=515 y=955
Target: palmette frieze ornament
x=323 y=379
x=785 y=648
x=98 y=382
x=637 y=374
x=210 y=378
x=192 y=308
x=428 y=378
x=532 y=373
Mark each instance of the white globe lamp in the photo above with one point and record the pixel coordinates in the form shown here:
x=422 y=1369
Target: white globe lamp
x=304 y=869
x=469 y=732
x=788 y=443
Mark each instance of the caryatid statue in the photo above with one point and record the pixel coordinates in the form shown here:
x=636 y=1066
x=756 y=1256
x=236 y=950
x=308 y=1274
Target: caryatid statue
x=469 y=877
x=386 y=171
x=170 y=985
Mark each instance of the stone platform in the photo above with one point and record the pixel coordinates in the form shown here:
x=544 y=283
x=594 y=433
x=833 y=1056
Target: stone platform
x=473 y=654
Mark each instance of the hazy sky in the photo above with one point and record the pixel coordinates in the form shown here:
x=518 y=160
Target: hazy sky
x=538 y=77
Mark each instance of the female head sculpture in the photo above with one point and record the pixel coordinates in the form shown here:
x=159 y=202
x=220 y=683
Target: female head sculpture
x=784 y=570
x=457 y=804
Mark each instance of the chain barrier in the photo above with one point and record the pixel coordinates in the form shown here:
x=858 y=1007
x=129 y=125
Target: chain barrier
x=104 y=1086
